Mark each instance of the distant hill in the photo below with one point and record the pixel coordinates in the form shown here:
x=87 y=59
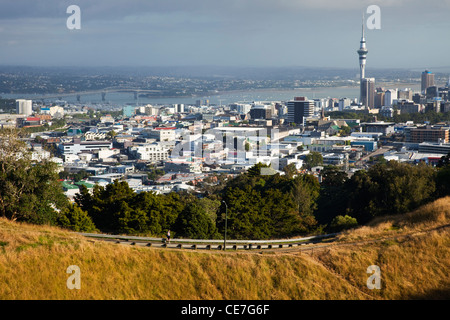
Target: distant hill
x=211 y=71
x=411 y=250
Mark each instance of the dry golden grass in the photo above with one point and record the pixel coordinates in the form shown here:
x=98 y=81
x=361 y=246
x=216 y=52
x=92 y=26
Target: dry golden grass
x=34 y=259
x=429 y=216
x=33 y=265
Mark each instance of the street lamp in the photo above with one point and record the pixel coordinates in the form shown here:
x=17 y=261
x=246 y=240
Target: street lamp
x=226 y=220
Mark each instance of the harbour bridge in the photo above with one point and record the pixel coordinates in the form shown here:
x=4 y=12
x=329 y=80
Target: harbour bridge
x=102 y=92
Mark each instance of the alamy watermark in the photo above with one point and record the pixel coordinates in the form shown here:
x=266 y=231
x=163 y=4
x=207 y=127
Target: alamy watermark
x=74 y=20
x=74 y=280
x=374 y=20
x=374 y=281
x=229 y=146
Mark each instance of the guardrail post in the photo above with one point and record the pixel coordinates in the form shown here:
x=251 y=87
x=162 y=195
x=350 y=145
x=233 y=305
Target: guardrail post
x=250 y=246
x=194 y=247
x=149 y=244
x=234 y=247
x=208 y=247
x=180 y=246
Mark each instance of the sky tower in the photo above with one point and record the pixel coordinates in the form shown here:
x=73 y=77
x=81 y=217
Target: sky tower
x=362 y=52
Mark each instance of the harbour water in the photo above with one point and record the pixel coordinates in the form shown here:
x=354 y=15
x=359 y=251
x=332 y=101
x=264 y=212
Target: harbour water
x=117 y=99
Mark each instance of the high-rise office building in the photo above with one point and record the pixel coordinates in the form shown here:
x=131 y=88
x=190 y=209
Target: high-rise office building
x=427 y=80
x=379 y=98
x=405 y=94
x=261 y=112
x=368 y=92
x=389 y=96
x=24 y=107
x=299 y=109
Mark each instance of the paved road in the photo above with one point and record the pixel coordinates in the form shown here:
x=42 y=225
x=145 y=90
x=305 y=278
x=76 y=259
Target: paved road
x=196 y=244
x=306 y=243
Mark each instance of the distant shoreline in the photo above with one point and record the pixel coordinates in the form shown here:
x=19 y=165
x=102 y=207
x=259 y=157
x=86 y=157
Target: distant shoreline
x=219 y=97
x=382 y=84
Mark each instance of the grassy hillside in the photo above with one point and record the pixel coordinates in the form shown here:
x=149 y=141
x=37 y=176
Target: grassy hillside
x=412 y=252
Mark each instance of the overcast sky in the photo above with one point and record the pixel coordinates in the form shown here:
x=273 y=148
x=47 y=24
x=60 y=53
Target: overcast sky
x=317 y=33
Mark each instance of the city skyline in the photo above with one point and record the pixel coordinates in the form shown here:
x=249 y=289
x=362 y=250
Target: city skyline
x=234 y=33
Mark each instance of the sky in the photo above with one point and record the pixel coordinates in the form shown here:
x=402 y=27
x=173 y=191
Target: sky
x=266 y=33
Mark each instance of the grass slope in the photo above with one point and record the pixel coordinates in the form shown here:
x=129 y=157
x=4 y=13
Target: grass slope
x=412 y=252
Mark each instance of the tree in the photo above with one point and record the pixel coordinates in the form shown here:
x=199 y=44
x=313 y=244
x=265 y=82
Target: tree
x=313 y=159
x=333 y=196
x=345 y=131
x=443 y=182
x=269 y=206
x=290 y=170
x=444 y=161
x=195 y=223
x=75 y=219
x=389 y=188
x=332 y=176
x=111 y=134
x=255 y=171
x=443 y=176
x=340 y=223
x=28 y=191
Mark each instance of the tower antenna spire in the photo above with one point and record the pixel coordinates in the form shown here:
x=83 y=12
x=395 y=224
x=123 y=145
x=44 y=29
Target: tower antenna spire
x=362 y=26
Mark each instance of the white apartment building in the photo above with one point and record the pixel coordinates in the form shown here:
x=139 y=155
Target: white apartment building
x=81 y=146
x=24 y=107
x=161 y=134
x=149 y=152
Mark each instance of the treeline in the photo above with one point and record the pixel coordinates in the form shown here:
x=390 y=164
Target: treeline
x=383 y=189
x=116 y=208
x=255 y=205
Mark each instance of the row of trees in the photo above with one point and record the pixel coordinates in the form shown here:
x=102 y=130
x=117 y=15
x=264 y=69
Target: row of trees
x=385 y=188
x=258 y=206
x=116 y=208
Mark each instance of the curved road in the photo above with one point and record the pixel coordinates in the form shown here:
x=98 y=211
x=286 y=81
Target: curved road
x=278 y=245
x=208 y=244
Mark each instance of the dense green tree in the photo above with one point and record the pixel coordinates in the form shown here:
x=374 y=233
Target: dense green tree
x=29 y=191
x=333 y=176
x=290 y=170
x=313 y=159
x=443 y=177
x=194 y=222
x=333 y=196
x=340 y=223
x=117 y=208
x=390 y=188
x=444 y=161
x=73 y=218
x=268 y=206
